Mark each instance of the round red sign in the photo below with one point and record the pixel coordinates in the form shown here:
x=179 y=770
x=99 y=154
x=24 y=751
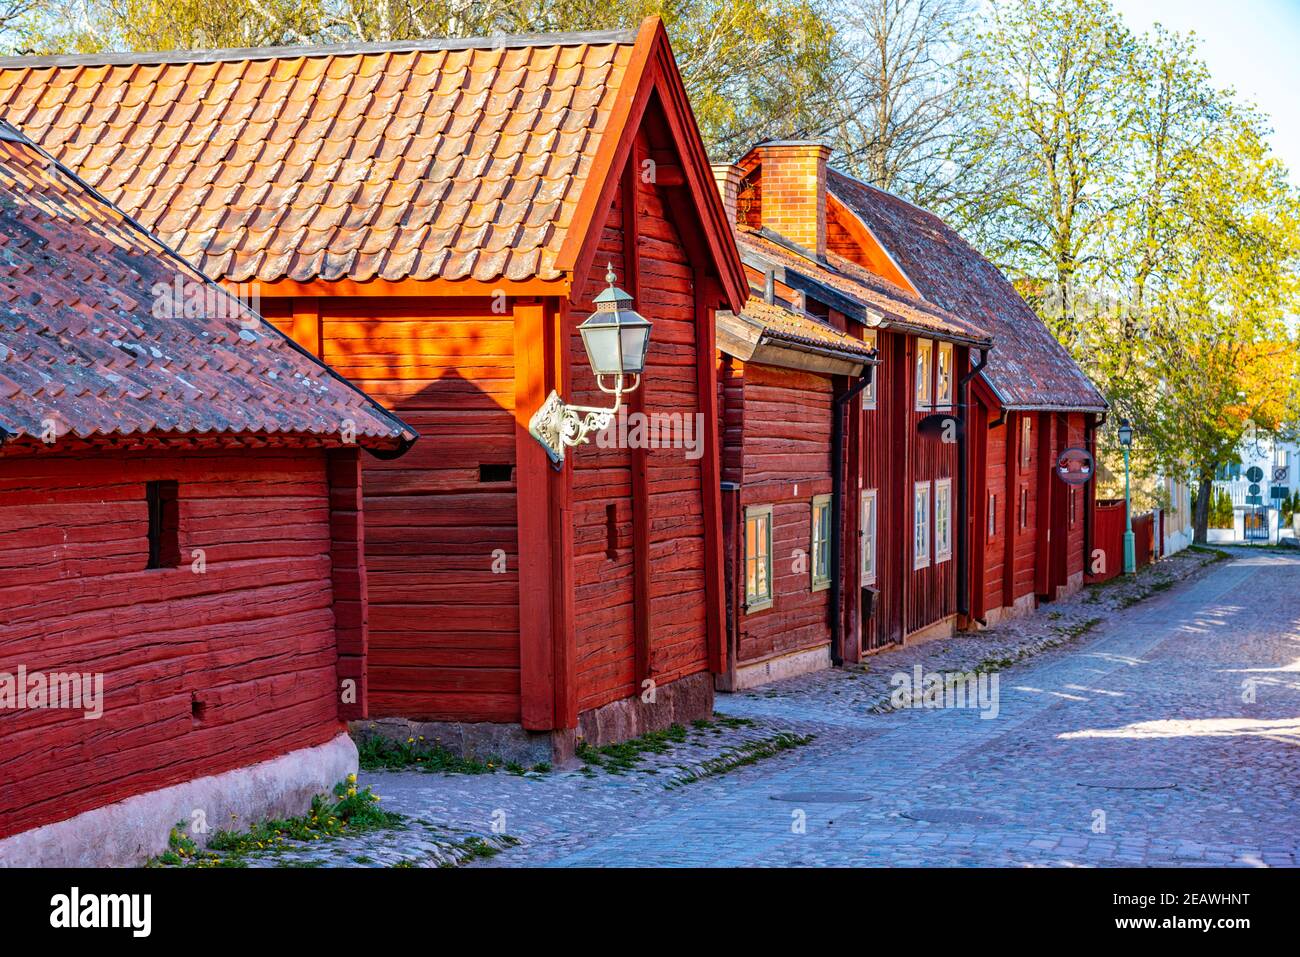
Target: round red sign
x=1074 y=466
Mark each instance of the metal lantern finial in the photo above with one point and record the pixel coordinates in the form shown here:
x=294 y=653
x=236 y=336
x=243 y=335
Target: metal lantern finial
x=609 y=273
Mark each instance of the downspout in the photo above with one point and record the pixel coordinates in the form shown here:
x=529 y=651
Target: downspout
x=963 y=482
x=837 y=500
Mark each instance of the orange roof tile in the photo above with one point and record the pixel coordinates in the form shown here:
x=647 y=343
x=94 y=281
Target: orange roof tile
x=94 y=338
x=421 y=160
x=790 y=326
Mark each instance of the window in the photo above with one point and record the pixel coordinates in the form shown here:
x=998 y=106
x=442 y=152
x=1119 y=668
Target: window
x=869 y=393
x=1024 y=506
x=924 y=377
x=942 y=520
x=943 y=388
x=821 y=542
x=1073 y=507
x=162 y=499
x=867 y=537
x=993 y=515
x=1026 y=437
x=758 y=557
x=921 y=525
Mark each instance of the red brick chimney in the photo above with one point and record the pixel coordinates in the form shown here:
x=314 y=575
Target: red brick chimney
x=727 y=176
x=794 y=192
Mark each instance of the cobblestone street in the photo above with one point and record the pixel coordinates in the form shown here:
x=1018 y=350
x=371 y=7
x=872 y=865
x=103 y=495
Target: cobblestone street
x=1136 y=744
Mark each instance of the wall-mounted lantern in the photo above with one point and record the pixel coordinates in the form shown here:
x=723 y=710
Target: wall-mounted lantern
x=616 y=338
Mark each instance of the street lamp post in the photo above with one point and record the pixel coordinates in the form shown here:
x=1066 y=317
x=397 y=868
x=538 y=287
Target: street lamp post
x=1130 y=544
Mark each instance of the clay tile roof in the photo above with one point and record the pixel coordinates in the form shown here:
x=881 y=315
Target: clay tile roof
x=876 y=298
x=789 y=326
x=1028 y=368
x=91 y=339
x=415 y=160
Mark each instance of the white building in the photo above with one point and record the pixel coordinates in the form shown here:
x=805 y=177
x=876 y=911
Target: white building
x=1269 y=471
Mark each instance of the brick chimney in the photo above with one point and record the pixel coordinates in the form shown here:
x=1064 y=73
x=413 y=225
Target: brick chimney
x=727 y=176
x=793 y=187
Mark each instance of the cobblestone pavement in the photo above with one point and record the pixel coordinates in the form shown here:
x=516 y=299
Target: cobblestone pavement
x=1167 y=734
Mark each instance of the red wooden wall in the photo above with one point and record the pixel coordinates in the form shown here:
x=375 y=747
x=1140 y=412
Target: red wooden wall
x=441 y=545
x=782 y=446
x=642 y=601
x=202 y=672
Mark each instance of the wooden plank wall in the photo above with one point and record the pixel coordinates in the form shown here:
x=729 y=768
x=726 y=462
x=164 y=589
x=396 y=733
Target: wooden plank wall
x=348 y=576
x=1023 y=536
x=441 y=545
x=785 y=449
x=670 y=549
x=995 y=545
x=604 y=619
x=202 y=672
x=931 y=591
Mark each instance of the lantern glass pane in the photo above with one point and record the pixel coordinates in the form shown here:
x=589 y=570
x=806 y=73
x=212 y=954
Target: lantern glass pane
x=602 y=344
x=635 y=339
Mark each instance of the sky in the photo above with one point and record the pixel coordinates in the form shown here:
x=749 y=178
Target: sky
x=1250 y=45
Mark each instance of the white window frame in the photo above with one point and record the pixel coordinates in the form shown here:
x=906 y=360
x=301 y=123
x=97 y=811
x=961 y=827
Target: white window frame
x=871 y=340
x=922 y=525
x=820 y=503
x=1024 y=507
x=943 y=360
x=1026 y=440
x=755 y=601
x=923 y=388
x=943 y=544
x=868 y=521
x=993 y=515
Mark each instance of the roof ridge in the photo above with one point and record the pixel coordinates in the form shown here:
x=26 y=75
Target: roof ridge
x=503 y=41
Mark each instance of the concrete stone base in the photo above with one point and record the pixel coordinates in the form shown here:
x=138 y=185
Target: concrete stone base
x=128 y=833
x=756 y=673
x=1072 y=585
x=943 y=628
x=480 y=740
x=680 y=702
x=1024 y=605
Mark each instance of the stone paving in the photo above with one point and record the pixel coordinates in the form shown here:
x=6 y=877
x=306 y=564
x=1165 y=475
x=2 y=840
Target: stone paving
x=1167 y=734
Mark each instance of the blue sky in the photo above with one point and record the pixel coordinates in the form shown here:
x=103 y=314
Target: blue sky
x=1250 y=45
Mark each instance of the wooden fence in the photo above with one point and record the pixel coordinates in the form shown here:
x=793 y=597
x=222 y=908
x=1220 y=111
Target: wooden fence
x=1108 y=538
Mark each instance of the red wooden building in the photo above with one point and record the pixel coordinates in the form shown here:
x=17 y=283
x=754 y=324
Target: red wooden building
x=780 y=374
x=181 y=578
x=1028 y=530
x=433 y=219
x=895 y=515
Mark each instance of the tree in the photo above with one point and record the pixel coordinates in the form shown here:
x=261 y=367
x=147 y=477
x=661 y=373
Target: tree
x=1051 y=83
x=1216 y=358
x=901 y=93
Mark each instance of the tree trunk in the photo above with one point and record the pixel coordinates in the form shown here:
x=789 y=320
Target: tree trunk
x=1201 y=513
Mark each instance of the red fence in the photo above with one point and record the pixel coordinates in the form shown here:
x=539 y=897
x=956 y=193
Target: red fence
x=1108 y=539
